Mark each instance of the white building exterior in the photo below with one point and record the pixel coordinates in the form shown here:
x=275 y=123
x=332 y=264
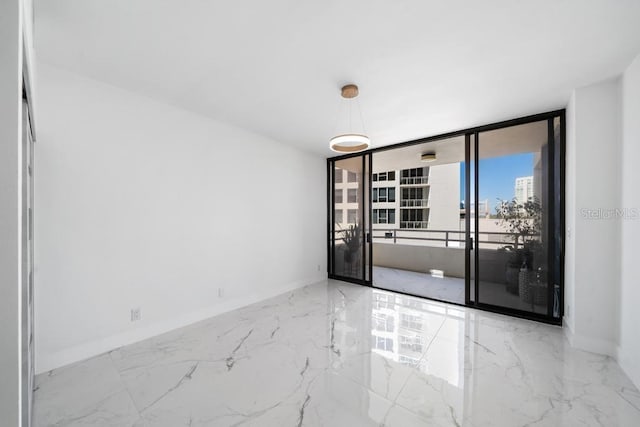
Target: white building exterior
x=524 y=189
x=419 y=201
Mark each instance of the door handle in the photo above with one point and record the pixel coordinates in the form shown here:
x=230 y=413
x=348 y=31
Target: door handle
x=471 y=243
x=368 y=237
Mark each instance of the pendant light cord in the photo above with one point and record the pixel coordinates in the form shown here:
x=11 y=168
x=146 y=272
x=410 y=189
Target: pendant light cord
x=364 y=131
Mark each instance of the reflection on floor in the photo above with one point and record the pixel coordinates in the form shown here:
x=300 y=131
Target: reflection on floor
x=450 y=289
x=335 y=354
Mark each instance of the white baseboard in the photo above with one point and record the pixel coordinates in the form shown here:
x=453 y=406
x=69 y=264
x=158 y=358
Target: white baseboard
x=630 y=366
x=75 y=354
x=628 y=363
x=592 y=345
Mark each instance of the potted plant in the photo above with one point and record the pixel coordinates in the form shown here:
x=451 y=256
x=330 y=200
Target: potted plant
x=351 y=239
x=514 y=262
x=523 y=222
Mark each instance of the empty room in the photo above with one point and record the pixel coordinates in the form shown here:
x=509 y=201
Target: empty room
x=289 y=213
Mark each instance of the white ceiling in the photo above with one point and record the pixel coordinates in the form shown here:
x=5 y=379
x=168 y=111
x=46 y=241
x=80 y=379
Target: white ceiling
x=275 y=67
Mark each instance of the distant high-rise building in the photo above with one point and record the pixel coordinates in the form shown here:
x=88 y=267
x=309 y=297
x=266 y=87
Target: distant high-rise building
x=524 y=189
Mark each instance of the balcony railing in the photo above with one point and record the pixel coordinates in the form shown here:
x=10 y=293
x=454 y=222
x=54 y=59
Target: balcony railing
x=414 y=203
x=414 y=224
x=414 y=180
x=486 y=239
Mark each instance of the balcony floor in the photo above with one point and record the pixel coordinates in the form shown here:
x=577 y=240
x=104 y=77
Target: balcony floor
x=449 y=289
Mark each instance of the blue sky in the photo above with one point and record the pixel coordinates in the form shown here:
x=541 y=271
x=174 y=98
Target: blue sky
x=498 y=175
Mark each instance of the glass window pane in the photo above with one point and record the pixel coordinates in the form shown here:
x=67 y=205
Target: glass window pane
x=512 y=243
x=352 y=216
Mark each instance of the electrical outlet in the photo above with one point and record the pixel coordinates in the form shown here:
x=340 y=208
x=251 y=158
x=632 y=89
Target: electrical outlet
x=136 y=314
x=220 y=293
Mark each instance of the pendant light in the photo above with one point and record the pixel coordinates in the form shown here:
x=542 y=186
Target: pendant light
x=350 y=142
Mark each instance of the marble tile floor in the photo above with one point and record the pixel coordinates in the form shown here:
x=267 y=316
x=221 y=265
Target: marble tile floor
x=336 y=354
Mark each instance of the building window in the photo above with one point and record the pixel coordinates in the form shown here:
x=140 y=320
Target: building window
x=412 y=302
x=415 y=176
x=384 y=301
x=384 y=216
x=407 y=173
x=385 y=176
x=352 y=195
x=384 y=322
x=384 y=194
x=338 y=176
x=412 y=214
x=352 y=177
x=352 y=216
x=413 y=343
x=382 y=343
x=411 y=321
x=338 y=216
x=413 y=193
x=338 y=196
x=414 y=218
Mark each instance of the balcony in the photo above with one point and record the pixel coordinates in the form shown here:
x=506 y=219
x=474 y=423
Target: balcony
x=414 y=203
x=431 y=263
x=414 y=180
x=414 y=224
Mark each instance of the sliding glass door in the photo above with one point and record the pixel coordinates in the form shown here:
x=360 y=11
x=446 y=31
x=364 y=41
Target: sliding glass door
x=516 y=218
x=418 y=219
x=473 y=218
x=349 y=219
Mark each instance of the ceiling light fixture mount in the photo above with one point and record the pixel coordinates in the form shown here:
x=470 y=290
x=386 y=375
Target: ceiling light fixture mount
x=350 y=142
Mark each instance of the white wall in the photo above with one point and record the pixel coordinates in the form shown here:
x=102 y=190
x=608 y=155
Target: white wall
x=10 y=201
x=601 y=273
x=593 y=245
x=140 y=204
x=629 y=351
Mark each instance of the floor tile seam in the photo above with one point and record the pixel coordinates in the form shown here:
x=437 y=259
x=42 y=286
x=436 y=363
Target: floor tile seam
x=126 y=387
x=394 y=402
x=423 y=357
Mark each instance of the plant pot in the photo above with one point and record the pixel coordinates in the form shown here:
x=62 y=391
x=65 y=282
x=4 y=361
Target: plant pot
x=511 y=279
x=540 y=293
x=525 y=285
